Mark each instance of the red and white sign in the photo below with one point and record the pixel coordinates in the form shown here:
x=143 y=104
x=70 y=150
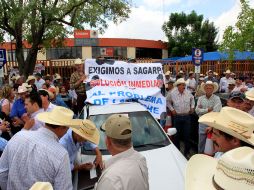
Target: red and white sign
x=107 y=52
x=82 y=33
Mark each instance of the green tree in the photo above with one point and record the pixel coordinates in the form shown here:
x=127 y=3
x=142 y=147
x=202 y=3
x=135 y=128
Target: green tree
x=185 y=32
x=43 y=21
x=241 y=36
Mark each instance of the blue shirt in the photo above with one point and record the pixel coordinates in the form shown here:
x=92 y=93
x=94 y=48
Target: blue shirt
x=72 y=147
x=18 y=108
x=59 y=101
x=3 y=143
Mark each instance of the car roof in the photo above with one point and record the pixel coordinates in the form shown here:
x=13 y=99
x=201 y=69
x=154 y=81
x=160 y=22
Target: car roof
x=116 y=108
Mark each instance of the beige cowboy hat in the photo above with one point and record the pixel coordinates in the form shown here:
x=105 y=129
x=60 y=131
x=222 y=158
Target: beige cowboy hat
x=78 y=61
x=201 y=75
x=31 y=77
x=209 y=71
x=87 y=130
x=58 y=116
x=167 y=73
x=232 y=121
x=180 y=72
x=179 y=81
x=57 y=76
x=28 y=87
x=41 y=186
x=22 y=89
x=227 y=72
x=250 y=95
x=214 y=84
x=191 y=72
x=233 y=171
x=231 y=82
x=51 y=95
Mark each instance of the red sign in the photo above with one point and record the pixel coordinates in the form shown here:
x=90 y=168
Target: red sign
x=107 y=52
x=81 y=33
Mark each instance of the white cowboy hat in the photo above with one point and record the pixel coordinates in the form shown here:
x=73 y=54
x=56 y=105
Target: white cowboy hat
x=214 y=84
x=233 y=171
x=180 y=81
x=232 y=121
x=57 y=76
x=22 y=89
x=227 y=71
x=58 y=116
x=180 y=72
x=27 y=86
x=86 y=129
x=78 y=61
x=250 y=95
x=31 y=77
x=41 y=186
x=167 y=73
x=232 y=81
x=191 y=72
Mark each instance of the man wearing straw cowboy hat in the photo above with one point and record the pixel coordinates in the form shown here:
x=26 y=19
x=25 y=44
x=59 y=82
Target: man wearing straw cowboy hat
x=224 y=81
x=231 y=128
x=181 y=104
x=127 y=168
x=233 y=171
x=206 y=103
x=76 y=83
x=87 y=134
x=32 y=156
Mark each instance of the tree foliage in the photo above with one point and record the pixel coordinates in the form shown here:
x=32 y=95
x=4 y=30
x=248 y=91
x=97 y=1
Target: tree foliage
x=185 y=32
x=241 y=36
x=41 y=21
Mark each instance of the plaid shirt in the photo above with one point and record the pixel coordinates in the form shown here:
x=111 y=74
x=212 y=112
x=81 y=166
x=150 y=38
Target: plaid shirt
x=78 y=88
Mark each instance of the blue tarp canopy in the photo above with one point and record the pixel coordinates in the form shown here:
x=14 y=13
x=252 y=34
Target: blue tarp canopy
x=217 y=56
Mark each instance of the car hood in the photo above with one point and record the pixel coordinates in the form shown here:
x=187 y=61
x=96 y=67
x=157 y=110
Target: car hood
x=166 y=168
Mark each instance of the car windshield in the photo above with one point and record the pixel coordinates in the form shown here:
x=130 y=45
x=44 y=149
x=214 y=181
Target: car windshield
x=146 y=132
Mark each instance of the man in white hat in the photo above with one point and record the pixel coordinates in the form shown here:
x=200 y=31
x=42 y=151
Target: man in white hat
x=86 y=135
x=250 y=101
x=231 y=128
x=210 y=77
x=39 y=81
x=77 y=83
x=31 y=81
x=224 y=81
x=32 y=156
x=181 y=104
x=168 y=77
x=127 y=168
x=206 y=103
x=18 y=112
x=233 y=171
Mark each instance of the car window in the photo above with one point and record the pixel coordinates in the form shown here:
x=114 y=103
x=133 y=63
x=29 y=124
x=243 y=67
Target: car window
x=146 y=132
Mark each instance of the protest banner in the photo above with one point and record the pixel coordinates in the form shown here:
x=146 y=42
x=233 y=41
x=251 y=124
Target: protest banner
x=114 y=82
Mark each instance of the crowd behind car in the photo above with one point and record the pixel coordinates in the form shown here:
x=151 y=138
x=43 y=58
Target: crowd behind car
x=39 y=129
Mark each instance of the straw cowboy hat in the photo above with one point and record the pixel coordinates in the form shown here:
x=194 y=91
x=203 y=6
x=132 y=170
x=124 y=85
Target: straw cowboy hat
x=191 y=72
x=250 y=95
x=58 y=116
x=28 y=87
x=233 y=171
x=180 y=81
x=31 y=77
x=227 y=72
x=57 y=76
x=41 y=186
x=22 y=89
x=78 y=61
x=87 y=130
x=167 y=73
x=232 y=121
x=214 y=84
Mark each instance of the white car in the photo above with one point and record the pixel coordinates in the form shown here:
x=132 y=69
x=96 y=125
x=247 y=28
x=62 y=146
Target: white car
x=166 y=165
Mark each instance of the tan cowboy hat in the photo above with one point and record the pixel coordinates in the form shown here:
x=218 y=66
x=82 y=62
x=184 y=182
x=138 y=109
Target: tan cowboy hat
x=191 y=72
x=87 y=130
x=232 y=121
x=179 y=81
x=167 y=73
x=214 y=84
x=78 y=61
x=41 y=186
x=227 y=72
x=233 y=171
x=31 y=77
x=58 y=116
x=250 y=95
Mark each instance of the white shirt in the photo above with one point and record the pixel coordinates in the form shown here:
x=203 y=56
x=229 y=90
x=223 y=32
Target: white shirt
x=125 y=171
x=238 y=88
x=224 y=83
x=191 y=83
x=39 y=83
x=50 y=107
x=251 y=112
x=37 y=123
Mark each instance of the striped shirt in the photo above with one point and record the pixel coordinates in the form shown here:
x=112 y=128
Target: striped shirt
x=180 y=102
x=32 y=156
x=78 y=88
x=204 y=103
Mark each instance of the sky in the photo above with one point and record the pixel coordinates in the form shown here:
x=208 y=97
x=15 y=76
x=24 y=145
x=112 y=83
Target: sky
x=147 y=17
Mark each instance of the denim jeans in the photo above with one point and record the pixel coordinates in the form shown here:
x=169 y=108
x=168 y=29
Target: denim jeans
x=201 y=137
x=183 y=127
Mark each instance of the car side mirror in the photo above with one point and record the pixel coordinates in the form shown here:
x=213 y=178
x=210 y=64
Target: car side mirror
x=171 y=131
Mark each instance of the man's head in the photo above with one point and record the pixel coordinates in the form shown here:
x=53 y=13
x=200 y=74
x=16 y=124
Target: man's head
x=191 y=75
x=227 y=73
x=167 y=75
x=38 y=76
x=209 y=87
x=170 y=85
x=52 y=89
x=236 y=100
x=180 y=84
x=210 y=74
x=118 y=131
x=48 y=80
x=22 y=92
x=45 y=96
x=231 y=85
x=33 y=103
x=30 y=80
x=239 y=81
x=79 y=65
